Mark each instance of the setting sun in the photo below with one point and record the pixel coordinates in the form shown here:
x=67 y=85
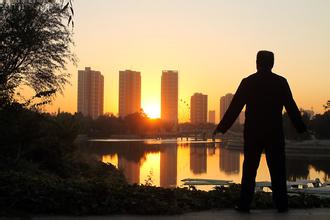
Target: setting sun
x=152 y=110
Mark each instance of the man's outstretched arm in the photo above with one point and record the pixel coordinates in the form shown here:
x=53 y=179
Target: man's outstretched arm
x=292 y=109
x=233 y=110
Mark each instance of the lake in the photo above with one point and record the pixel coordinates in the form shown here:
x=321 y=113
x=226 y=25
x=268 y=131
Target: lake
x=165 y=163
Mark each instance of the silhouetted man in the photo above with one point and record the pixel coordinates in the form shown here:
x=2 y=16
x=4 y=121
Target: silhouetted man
x=264 y=93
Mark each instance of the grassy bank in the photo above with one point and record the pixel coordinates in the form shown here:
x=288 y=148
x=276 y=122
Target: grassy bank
x=42 y=193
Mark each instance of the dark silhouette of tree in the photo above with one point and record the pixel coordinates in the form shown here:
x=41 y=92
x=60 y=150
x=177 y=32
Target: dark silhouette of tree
x=136 y=123
x=321 y=125
x=327 y=106
x=35 y=47
x=106 y=125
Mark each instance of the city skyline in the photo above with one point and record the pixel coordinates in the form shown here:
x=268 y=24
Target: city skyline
x=89 y=98
x=212 y=44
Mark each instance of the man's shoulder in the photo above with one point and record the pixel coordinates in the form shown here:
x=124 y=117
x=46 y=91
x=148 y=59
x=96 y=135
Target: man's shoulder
x=279 y=77
x=256 y=76
x=251 y=76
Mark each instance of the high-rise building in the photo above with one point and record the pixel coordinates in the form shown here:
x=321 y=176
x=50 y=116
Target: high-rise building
x=212 y=117
x=224 y=104
x=198 y=108
x=129 y=92
x=169 y=96
x=90 y=92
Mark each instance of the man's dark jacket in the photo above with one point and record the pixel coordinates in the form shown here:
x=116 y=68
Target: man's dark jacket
x=264 y=94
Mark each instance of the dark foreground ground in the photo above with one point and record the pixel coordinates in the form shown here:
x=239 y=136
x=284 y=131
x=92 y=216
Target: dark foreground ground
x=294 y=214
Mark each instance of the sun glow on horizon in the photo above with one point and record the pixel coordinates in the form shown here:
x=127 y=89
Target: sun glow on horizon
x=152 y=110
x=204 y=44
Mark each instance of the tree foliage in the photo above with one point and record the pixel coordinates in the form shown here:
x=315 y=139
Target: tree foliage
x=321 y=125
x=327 y=105
x=35 y=47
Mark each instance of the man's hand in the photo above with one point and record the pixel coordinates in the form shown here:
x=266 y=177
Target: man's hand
x=311 y=134
x=307 y=134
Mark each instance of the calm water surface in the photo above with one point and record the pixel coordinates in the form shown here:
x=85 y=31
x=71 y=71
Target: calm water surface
x=167 y=163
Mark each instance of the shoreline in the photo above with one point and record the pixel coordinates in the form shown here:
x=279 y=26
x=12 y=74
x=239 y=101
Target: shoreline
x=268 y=214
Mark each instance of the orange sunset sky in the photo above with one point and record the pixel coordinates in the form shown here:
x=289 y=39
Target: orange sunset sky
x=212 y=43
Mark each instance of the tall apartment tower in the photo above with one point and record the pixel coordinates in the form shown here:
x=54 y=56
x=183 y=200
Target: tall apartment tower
x=224 y=104
x=212 y=116
x=169 y=96
x=198 y=108
x=129 y=92
x=90 y=92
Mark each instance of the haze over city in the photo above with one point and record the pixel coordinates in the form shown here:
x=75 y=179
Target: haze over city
x=212 y=44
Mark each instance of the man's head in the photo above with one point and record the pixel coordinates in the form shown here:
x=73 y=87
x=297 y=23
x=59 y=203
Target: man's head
x=265 y=60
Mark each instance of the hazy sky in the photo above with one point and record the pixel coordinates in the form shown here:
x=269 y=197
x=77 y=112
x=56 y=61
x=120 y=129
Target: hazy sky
x=212 y=43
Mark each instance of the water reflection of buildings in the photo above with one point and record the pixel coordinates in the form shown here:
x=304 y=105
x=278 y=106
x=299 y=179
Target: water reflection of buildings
x=109 y=158
x=131 y=169
x=211 y=151
x=229 y=161
x=129 y=157
x=168 y=166
x=198 y=158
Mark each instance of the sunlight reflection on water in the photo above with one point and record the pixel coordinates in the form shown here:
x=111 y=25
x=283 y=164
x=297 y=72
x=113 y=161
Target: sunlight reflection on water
x=165 y=162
